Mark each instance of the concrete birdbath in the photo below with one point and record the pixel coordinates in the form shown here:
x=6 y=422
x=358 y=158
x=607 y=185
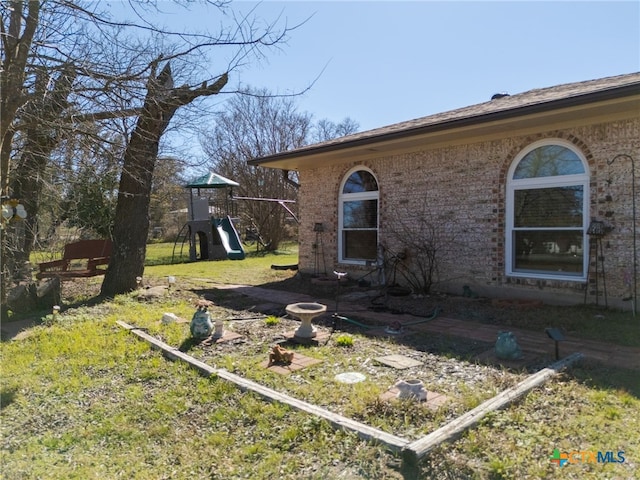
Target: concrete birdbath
x=305 y=312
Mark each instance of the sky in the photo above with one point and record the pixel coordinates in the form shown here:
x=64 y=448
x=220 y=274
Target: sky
x=383 y=62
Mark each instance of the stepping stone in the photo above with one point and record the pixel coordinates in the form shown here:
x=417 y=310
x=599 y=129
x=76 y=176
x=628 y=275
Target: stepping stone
x=433 y=402
x=350 y=377
x=398 y=361
x=227 y=336
x=298 y=363
x=322 y=336
x=152 y=292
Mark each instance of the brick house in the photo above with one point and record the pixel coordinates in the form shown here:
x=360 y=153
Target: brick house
x=502 y=192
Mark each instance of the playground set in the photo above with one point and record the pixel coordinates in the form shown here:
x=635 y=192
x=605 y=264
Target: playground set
x=209 y=228
x=212 y=211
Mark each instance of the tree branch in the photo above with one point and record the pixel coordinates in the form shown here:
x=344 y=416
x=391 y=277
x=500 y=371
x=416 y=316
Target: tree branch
x=185 y=94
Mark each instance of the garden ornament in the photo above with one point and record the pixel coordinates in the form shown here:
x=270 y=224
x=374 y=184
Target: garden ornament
x=411 y=389
x=201 y=324
x=279 y=354
x=507 y=347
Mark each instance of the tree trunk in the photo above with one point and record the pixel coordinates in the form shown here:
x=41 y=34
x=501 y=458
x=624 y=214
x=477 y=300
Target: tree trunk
x=131 y=226
x=26 y=186
x=134 y=195
x=41 y=137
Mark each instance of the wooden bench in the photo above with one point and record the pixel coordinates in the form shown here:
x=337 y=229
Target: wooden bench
x=80 y=259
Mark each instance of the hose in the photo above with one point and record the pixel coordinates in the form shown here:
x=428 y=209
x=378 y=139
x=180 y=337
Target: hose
x=434 y=314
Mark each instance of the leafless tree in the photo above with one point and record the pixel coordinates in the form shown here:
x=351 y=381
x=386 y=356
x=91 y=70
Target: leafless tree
x=255 y=124
x=18 y=28
x=103 y=69
x=327 y=130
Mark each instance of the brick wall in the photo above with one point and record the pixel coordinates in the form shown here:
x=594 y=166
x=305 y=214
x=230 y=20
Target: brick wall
x=461 y=190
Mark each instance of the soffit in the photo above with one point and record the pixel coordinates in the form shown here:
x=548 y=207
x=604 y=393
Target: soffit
x=539 y=110
x=461 y=132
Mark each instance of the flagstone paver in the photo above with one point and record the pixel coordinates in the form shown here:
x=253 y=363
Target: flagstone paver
x=400 y=362
x=538 y=342
x=433 y=401
x=298 y=363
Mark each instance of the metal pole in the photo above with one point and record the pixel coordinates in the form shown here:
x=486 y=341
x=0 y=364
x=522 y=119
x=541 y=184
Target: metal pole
x=633 y=209
x=604 y=278
x=339 y=276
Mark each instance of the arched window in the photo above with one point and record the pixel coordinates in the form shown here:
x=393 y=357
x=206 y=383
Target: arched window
x=547 y=212
x=358 y=217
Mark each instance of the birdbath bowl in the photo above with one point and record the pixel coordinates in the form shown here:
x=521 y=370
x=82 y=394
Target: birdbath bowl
x=305 y=312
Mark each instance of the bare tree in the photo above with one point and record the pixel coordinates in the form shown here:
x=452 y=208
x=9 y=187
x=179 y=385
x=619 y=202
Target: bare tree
x=18 y=28
x=19 y=21
x=327 y=130
x=39 y=140
x=254 y=124
x=258 y=123
x=134 y=193
x=112 y=71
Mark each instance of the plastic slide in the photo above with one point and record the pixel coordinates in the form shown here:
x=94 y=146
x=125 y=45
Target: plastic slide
x=230 y=238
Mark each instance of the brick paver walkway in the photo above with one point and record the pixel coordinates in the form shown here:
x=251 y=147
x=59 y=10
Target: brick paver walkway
x=529 y=341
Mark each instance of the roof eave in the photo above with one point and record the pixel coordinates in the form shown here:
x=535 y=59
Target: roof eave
x=500 y=115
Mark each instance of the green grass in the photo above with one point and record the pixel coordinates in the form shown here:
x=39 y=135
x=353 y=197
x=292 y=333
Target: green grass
x=253 y=270
x=81 y=398
x=84 y=399
x=272 y=321
x=344 y=341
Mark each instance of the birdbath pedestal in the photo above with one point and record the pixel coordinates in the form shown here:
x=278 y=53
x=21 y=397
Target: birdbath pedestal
x=305 y=312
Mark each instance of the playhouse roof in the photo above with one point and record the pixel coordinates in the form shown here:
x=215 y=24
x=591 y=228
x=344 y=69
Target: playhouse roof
x=211 y=180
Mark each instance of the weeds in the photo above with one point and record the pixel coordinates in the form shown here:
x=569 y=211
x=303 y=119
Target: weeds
x=344 y=341
x=82 y=398
x=272 y=321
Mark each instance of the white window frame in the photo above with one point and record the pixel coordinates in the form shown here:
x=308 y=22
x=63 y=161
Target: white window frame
x=546 y=182
x=342 y=197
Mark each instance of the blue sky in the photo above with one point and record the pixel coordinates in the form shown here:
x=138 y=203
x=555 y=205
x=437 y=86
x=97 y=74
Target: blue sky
x=385 y=62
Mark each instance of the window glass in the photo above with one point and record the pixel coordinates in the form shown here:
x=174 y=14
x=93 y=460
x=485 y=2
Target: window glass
x=549 y=207
x=557 y=251
x=360 y=181
x=360 y=244
x=360 y=214
x=547 y=161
